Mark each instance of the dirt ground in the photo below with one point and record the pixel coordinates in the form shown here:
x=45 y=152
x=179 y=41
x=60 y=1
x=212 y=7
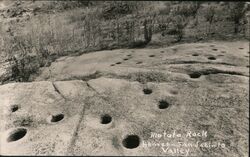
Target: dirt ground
x=184 y=100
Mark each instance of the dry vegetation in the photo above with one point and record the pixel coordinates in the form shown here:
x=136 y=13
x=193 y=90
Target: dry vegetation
x=71 y=28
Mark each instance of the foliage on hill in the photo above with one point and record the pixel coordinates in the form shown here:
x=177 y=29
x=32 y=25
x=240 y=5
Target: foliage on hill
x=37 y=32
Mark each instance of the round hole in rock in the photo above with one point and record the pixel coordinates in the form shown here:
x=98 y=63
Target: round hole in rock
x=214 y=49
x=247 y=66
x=105 y=119
x=112 y=65
x=125 y=59
x=195 y=54
x=223 y=51
x=151 y=55
x=128 y=55
x=118 y=63
x=195 y=75
x=16 y=134
x=163 y=104
x=56 y=118
x=162 y=51
x=131 y=141
x=147 y=91
x=14 y=108
x=241 y=48
x=138 y=62
x=211 y=58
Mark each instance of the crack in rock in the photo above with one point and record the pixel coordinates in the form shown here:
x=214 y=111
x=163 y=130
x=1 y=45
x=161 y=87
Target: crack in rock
x=216 y=71
x=58 y=91
x=198 y=62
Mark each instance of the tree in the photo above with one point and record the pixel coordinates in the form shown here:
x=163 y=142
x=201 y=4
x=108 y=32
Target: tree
x=237 y=11
x=180 y=23
x=209 y=15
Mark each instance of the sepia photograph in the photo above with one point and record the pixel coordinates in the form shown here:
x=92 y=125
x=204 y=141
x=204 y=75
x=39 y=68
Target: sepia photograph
x=124 y=78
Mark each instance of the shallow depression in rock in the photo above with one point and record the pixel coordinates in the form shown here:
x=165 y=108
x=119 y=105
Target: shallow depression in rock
x=14 y=108
x=131 y=141
x=147 y=91
x=56 y=118
x=16 y=134
x=194 y=75
x=211 y=58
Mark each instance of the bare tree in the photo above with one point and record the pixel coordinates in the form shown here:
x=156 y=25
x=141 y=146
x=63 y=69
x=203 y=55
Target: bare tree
x=237 y=11
x=209 y=15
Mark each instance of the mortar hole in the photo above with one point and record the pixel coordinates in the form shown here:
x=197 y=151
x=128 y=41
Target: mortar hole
x=152 y=56
x=163 y=104
x=223 y=51
x=195 y=54
x=112 y=65
x=14 y=108
x=125 y=59
x=195 y=75
x=214 y=49
x=241 y=48
x=131 y=141
x=118 y=63
x=162 y=51
x=211 y=58
x=56 y=118
x=17 y=134
x=147 y=91
x=105 y=119
x=138 y=62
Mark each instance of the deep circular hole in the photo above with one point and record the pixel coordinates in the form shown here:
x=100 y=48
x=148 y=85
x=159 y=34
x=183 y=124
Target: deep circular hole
x=125 y=59
x=105 y=119
x=247 y=66
x=163 y=104
x=56 y=118
x=151 y=55
x=241 y=48
x=220 y=55
x=118 y=63
x=214 y=49
x=211 y=58
x=195 y=54
x=195 y=75
x=17 y=134
x=131 y=141
x=147 y=91
x=112 y=65
x=138 y=62
x=14 y=108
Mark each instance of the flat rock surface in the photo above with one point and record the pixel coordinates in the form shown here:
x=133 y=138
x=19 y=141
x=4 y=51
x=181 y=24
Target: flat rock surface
x=184 y=100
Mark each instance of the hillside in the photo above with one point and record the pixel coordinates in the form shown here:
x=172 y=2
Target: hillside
x=34 y=33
